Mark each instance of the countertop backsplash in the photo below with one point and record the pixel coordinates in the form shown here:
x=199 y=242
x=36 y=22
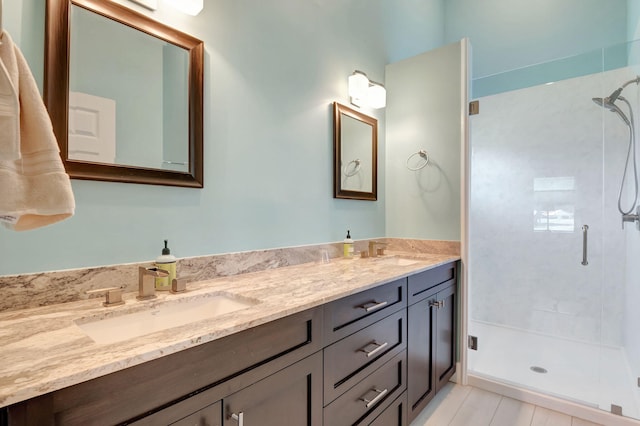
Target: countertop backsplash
x=48 y=288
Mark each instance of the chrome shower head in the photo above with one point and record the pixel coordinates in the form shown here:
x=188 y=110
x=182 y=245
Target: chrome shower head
x=608 y=104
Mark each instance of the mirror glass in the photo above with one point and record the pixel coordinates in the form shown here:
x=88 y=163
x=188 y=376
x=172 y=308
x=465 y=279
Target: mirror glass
x=131 y=106
x=356 y=154
x=139 y=119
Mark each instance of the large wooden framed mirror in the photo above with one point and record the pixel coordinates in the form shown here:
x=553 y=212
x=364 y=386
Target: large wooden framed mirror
x=125 y=94
x=355 y=154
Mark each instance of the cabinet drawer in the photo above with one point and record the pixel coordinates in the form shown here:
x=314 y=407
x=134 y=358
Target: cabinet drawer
x=419 y=285
x=394 y=415
x=352 y=313
x=349 y=360
x=373 y=394
x=209 y=416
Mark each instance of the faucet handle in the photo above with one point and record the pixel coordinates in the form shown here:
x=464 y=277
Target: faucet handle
x=179 y=285
x=113 y=295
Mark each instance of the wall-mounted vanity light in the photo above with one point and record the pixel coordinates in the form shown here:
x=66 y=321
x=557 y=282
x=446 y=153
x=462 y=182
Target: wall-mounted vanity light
x=364 y=92
x=190 y=7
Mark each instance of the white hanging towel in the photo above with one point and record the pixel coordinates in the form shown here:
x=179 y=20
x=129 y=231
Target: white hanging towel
x=35 y=190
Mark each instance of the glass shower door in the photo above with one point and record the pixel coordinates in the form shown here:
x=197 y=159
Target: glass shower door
x=546 y=264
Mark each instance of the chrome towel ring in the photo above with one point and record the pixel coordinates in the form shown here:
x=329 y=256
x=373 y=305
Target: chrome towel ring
x=425 y=156
x=355 y=170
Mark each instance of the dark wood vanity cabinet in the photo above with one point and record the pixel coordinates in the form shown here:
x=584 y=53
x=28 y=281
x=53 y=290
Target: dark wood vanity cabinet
x=211 y=415
x=431 y=349
x=292 y=396
x=365 y=366
x=174 y=387
x=372 y=358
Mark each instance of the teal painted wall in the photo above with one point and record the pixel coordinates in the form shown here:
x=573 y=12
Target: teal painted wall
x=633 y=20
x=413 y=27
x=509 y=34
x=272 y=71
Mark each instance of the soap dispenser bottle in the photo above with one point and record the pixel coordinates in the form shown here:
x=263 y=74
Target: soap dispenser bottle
x=348 y=246
x=166 y=262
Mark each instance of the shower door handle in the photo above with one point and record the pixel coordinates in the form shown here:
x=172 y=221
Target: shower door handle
x=585 y=231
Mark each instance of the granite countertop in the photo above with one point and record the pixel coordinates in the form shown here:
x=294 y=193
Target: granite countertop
x=44 y=350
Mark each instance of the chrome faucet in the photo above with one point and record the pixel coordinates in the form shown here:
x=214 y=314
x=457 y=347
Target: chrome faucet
x=147 y=282
x=373 y=248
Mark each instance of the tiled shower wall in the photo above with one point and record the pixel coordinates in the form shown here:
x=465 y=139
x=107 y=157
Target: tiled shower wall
x=539 y=149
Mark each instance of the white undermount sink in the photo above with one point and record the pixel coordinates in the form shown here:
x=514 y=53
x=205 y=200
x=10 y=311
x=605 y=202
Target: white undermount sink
x=395 y=260
x=162 y=316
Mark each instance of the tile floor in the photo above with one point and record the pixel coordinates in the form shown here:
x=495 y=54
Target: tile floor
x=457 y=405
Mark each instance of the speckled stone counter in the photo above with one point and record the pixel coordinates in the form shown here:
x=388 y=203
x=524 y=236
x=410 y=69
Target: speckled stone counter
x=44 y=350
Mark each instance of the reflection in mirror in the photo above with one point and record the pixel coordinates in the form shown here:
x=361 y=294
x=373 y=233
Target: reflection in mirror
x=355 y=154
x=138 y=119
x=131 y=106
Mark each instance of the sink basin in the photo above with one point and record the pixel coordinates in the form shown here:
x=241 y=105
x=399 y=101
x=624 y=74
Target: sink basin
x=162 y=316
x=399 y=261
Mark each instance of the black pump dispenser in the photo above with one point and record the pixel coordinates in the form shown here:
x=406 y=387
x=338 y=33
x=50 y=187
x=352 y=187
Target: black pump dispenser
x=166 y=250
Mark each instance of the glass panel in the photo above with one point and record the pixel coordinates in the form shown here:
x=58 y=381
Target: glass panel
x=546 y=161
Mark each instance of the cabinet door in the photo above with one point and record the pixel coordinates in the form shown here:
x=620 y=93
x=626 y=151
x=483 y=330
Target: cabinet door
x=420 y=354
x=431 y=345
x=445 y=336
x=291 y=397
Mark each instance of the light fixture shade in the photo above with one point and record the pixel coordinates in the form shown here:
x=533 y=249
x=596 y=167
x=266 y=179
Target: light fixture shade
x=190 y=7
x=358 y=86
x=377 y=96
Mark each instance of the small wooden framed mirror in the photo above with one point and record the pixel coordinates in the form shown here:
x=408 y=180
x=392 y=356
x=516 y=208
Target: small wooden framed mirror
x=355 y=154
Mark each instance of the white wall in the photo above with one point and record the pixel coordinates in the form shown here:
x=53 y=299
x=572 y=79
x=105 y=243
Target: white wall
x=424 y=110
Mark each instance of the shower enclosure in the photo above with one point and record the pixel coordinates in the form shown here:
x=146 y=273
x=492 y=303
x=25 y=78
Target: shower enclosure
x=554 y=278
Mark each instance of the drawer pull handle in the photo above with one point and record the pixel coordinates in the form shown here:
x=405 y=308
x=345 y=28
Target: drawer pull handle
x=379 y=347
x=381 y=394
x=372 y=306
x=239 y=418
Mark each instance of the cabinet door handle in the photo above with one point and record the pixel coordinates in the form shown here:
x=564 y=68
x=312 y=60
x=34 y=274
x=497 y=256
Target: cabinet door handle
x=372 y=306
x=381 y=394
x=436 y=304
x=379 y=347
x=239 y=418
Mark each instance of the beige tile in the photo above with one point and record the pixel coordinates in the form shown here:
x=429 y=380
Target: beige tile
x=544 y=417
x=478 y=409
x=443 y=407
x=511 y=412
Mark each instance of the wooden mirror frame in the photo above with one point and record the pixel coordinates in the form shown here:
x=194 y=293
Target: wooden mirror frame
x=338 y=192
x=56 y=93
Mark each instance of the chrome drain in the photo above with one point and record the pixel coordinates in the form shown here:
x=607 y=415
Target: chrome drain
x=537 y=369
